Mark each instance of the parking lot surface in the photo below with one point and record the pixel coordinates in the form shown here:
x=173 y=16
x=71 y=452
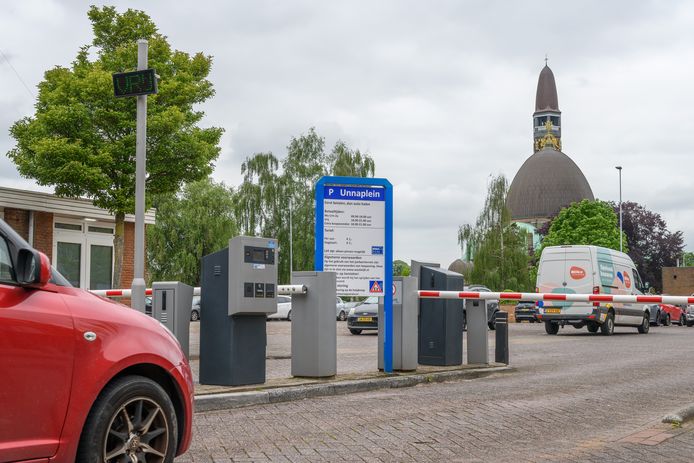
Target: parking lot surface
x=573 y=397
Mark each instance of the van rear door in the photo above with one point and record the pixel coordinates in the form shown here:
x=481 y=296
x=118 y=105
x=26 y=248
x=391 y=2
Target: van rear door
x=567 y=270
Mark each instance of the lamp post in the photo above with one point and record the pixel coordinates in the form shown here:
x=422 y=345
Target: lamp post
x=619 y=168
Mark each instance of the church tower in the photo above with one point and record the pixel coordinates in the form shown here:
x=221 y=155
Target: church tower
x=547 y=117
x=548 y=180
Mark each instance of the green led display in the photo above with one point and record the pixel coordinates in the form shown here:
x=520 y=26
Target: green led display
x=135 y=83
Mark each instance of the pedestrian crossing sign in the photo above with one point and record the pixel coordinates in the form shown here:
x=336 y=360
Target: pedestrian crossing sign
x=376 y=286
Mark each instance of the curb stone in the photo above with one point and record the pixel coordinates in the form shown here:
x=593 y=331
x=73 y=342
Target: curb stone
x=681 y=415
x=230 y=400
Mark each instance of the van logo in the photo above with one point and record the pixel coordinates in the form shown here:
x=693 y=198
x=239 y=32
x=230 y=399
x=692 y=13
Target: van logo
x=577 y=273
x=627 y=280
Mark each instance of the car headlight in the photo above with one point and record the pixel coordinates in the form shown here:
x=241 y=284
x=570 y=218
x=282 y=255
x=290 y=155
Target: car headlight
x=351 y=312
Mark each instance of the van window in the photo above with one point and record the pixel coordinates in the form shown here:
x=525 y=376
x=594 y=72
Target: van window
x=638 y=282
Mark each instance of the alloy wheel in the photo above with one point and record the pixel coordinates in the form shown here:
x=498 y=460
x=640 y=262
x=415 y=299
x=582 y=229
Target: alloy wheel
x=138 y=433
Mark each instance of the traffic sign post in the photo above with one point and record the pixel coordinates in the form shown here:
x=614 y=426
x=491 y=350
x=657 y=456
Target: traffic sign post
x=354 y=239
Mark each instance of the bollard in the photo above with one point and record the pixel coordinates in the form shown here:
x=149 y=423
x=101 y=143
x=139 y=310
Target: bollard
x=501 y=351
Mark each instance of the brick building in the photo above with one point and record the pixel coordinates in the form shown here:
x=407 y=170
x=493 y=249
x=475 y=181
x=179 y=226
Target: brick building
x=75 y=235
x=678 y=281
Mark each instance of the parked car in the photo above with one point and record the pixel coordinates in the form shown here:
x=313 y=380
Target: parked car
x=195 y=309
x=284 y=309
x=84 y=377
x=586 y=270
x=341 y=309
x=492 y=305
x=673 y=314
x=364 y=316
x=526 y=310
x=689 y=315
x=657 y=315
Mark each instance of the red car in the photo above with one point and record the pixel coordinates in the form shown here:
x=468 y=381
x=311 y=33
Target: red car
x=672 y=313
x=83 y=378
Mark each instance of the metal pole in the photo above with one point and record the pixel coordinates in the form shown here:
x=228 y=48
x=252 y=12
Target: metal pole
x=291 y=246
x=619 y=168
x=138 y=286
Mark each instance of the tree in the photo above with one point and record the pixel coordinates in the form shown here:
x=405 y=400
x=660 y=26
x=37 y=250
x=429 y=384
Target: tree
x=688 y=259
x=81 y=140
x=585 y=222
x=190 y=225
x=496 y=247
x=272 y=189
x=401 y=269
x=651 y=245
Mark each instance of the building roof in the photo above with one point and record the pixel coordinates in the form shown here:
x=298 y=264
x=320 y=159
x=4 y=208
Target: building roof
x=74 y=207
x=546 y=182
x=546 y=96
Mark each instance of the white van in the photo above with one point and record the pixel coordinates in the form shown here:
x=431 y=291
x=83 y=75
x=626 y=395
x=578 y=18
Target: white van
x=589 y=270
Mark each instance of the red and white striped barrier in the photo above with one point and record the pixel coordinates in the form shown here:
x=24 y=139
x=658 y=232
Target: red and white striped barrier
x=284 y=290
x=616 y=298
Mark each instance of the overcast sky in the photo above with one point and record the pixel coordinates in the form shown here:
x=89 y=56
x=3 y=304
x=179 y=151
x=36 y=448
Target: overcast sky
x=440 y=93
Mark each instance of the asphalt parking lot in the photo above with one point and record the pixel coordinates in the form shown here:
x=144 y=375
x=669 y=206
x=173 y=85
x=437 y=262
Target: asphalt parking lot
x=572 y=397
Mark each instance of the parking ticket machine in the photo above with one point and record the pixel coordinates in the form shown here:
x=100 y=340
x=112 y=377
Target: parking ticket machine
x=238 y=291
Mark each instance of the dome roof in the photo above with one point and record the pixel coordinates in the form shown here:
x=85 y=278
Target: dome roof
x=546 y=96
x=460 y=266
x=546 y=182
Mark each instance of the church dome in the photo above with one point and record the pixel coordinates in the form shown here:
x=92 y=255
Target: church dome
x=546 y=182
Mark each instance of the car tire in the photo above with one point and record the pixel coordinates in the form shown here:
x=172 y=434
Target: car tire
x=667 y=321
x=607 y=327
x=131 y=412
x=645 y=324
x=194 y=316
x=289 y=316
x=593 y=327
x=343 y=316
x=657 y=319
x=551 y=327
x=492 y=324
x=690 y=324
x=682 y=321
x=353 y=331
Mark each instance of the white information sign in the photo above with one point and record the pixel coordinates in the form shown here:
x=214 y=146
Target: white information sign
x=354 y=238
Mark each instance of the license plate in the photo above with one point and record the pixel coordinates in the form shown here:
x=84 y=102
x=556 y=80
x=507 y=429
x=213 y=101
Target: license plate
x=552 y=310
x=364 y=319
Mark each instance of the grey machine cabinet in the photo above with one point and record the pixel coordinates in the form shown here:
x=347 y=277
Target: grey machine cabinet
x=171 y=304
x=405 y=313
x=314 y=330
x=440 y=320
x=239 y=287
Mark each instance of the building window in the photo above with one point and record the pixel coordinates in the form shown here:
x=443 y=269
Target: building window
x=84 y=254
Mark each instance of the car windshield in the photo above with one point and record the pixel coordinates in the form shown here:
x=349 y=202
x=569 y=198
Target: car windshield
x=371 y=300
x=58 y=279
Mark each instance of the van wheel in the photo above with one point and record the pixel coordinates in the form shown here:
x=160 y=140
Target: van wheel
x=645 y=324
x=593 y=327
x=551 y=327
x=607 y=327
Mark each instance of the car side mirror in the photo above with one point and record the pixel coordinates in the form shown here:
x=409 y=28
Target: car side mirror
x=33 y=268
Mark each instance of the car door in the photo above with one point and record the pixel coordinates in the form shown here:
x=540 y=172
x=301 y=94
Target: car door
x=36 y=362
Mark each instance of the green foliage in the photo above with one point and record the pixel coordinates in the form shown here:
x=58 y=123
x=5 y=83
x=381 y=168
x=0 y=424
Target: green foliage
x=401 y=269
x=271 y=187
x=81 y=139
x=585 y=222
x=189 y=226
x=688 y=259
x=496 y=246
